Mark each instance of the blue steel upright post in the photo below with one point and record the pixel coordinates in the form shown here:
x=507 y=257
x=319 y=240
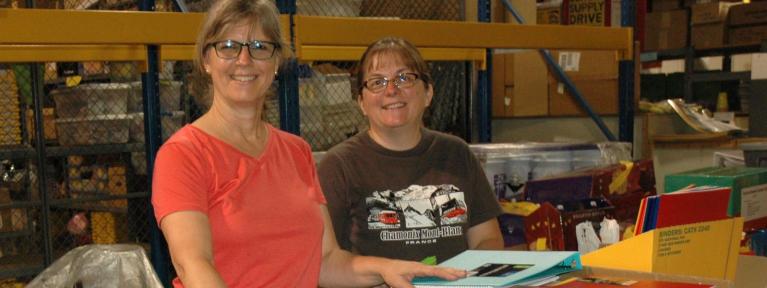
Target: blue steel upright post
x=290 y=119
x=626 y=79
x=150 y=83
x=484 y=106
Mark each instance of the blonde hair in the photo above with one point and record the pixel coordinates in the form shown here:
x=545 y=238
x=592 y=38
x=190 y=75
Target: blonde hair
x=221 y=17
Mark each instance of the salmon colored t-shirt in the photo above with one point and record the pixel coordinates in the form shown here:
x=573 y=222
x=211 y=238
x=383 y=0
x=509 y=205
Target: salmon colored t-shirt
x=264 y=211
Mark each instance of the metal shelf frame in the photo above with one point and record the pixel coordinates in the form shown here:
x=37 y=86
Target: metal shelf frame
x=689 y=54
x=72 y=35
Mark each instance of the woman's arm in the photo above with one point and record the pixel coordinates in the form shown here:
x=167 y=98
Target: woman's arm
x=341 y=268
x=189 y=241
x=485 y=236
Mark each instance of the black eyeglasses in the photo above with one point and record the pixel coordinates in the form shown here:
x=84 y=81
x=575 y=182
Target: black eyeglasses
x=258 y=50
x=403 y=80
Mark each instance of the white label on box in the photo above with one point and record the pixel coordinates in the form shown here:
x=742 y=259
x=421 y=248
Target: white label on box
x=753 y=202
x=759 y=66
x=570 y=61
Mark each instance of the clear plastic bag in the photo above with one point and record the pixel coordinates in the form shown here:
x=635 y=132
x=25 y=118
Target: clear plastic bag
x=117 y=265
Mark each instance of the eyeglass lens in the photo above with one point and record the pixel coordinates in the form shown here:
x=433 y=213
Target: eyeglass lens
x=259 y=50
x=404 y=80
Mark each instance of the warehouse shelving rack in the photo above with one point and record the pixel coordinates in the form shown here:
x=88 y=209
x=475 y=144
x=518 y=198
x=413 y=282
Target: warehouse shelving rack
x=90 y=35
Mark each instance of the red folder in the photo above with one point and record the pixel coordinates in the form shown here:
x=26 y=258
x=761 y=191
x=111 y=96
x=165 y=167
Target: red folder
x=692 y=206
x=640 y=217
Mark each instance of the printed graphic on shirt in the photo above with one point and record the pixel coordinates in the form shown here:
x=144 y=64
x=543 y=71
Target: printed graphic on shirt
x=416 y=207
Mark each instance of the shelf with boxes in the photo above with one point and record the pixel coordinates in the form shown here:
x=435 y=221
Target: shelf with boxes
x=20 y=266
x=707 y=37
x=312 y=33
x=16 y=152
x=523 y=85
x=13 y=219
x=92 y=122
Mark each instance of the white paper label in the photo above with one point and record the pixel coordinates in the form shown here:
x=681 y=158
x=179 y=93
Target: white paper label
x=759 y=66
x=570 y=61
x=753 y=202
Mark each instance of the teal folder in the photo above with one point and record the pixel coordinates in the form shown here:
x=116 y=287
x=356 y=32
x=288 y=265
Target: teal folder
x=504 y=268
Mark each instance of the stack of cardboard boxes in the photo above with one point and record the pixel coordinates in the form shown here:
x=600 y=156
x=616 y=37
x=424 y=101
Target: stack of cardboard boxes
x=709 y=25
x=665 y=26
x=748 y=24
x=10 y=123
x=523 y=85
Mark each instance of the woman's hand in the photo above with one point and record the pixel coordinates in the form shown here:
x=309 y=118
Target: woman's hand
x=400 y=274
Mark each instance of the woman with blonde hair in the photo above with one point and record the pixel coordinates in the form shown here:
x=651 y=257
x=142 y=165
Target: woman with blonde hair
x=237 y=199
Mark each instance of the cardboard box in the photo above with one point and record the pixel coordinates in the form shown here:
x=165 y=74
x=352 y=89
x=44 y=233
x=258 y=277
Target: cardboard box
x=413 y=9
x=711 y=35
x=664 y=5
x=11 y=219
x=623 y=185
x=103 y=129
x=587 y=63
x=335 y=8
x=549 y=14
x=550 y=228
x=707 y=249
x=709 y=12
x=49 y=127
x=5 y=214
x=747 y=35
x=748 y=14
x=10 y=120
x=45 y=4
x=595 y=75
x=751 y=204
x=601 y=94
x=592 y=12
x=108 y=227
x=117 y=185
x=666 y=30
x=519 y=85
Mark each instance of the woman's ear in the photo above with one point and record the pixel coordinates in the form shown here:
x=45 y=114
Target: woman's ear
x=362 y=106
x=429 y=94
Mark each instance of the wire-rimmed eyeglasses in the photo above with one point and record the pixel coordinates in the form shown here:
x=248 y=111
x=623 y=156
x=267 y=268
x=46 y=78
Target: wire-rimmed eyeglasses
x=258 y=50
x=402 y=80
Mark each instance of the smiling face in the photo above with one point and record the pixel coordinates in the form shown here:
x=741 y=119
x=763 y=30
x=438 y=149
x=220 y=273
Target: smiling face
x=394 y=109
x=242 y=80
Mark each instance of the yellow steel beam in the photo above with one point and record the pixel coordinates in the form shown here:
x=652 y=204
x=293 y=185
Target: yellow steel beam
x=71 y=53
x=353 y=53
x=50 y=26
x=76 y=53
x=346 y=31
x=177 y=52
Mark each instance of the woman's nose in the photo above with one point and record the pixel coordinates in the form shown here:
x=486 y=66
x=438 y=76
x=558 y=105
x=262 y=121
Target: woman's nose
x=391 y=88
x=244 y=57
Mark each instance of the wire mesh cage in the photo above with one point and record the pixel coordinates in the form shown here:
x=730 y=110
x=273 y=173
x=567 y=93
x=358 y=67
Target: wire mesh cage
x=101 y=194
x=451 y=10
x=328 y=111
x=20 y=235
x=92 y=185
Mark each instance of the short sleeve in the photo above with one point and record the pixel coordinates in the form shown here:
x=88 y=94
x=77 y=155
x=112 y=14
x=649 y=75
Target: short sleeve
x=336 y=191
x=486 y=206
x=179 y=182
x=316 y=188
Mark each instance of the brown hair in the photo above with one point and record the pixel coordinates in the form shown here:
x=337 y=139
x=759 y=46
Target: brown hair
x=220 y=18
x=397 y=47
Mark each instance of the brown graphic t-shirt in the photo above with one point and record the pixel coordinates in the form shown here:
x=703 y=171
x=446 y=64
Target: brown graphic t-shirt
x=405 y=204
